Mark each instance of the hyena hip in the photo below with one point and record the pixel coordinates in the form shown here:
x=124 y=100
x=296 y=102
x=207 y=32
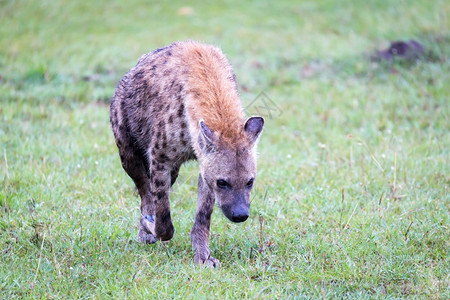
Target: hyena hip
x=179 y=103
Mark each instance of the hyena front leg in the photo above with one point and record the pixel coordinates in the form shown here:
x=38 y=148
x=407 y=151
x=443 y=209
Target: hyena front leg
x=200 y=230
x=159 y=223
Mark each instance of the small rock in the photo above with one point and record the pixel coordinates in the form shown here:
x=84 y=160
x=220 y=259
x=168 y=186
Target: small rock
x=411 y=50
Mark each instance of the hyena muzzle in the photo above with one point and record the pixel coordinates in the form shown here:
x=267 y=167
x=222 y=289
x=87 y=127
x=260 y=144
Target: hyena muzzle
x=179 y=103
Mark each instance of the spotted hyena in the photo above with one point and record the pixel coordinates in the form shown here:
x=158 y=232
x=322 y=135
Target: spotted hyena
x=180 y=103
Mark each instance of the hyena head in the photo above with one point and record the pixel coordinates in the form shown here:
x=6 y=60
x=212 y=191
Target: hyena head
x=230 y=170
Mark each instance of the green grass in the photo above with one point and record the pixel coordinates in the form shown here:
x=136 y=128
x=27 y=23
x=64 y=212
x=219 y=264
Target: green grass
x=352 y=195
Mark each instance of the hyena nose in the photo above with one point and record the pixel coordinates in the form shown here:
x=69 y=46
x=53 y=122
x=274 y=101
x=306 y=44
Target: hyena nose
x=239 y=214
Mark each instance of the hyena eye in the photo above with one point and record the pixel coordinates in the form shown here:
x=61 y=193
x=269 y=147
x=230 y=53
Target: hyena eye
x=223 y=184
x=250 y=183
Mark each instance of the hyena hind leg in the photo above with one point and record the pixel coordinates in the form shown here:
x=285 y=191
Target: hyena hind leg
x=137 y=168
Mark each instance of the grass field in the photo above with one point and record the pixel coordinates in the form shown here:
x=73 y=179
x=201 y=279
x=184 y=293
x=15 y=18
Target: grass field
x=352 y=194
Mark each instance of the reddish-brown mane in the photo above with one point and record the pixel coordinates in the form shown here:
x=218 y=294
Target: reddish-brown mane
x=212 y=92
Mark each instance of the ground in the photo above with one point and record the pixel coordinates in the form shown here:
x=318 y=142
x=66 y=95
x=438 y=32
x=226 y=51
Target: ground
x=352 y=193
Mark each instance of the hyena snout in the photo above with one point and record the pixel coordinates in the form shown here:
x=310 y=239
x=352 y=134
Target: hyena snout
x=239 y=213
x=237 y=210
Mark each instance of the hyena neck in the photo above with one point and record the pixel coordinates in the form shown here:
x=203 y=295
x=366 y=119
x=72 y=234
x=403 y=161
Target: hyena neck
x=212 y=94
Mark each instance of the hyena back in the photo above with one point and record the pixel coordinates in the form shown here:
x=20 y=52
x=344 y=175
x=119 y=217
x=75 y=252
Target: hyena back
x=179 y=103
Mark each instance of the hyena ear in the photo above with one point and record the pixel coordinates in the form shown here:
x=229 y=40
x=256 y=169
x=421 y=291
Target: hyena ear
x=206 y=138
x=253 y=127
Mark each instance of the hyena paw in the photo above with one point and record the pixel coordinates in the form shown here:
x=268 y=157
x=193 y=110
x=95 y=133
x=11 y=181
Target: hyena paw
x=206 y=260
x=145 y=237
x=146 y=230
x=148 y=224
